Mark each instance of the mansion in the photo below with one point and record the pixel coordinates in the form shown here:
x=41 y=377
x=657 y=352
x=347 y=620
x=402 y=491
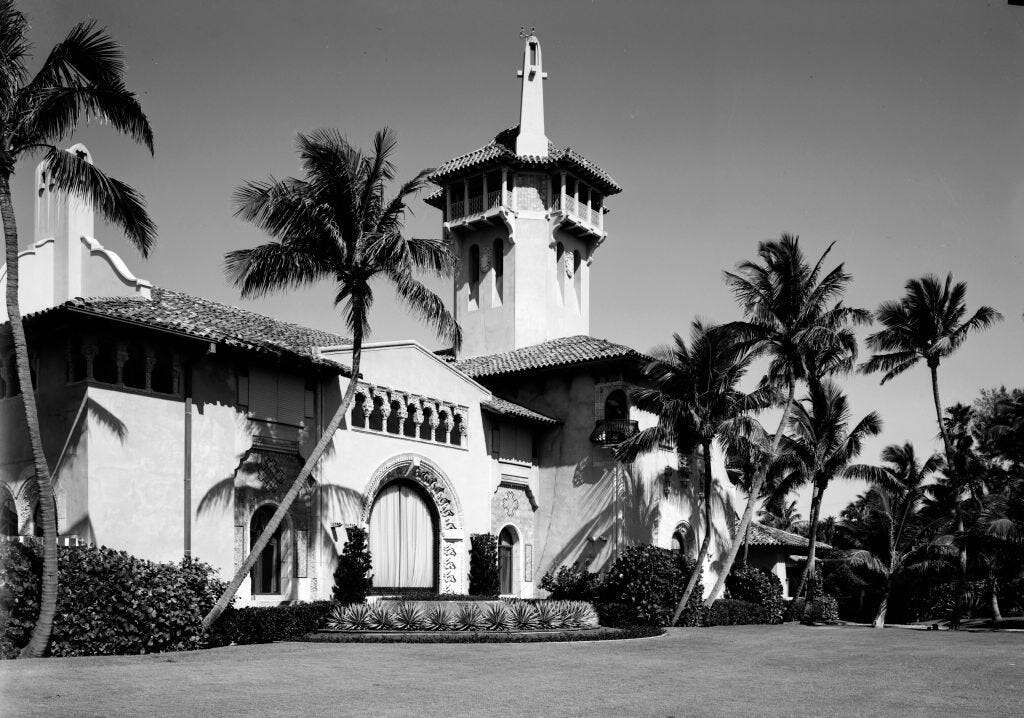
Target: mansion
x=173 y=424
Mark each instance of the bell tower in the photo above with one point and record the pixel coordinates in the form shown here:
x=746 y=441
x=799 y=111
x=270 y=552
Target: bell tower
x=525 y=219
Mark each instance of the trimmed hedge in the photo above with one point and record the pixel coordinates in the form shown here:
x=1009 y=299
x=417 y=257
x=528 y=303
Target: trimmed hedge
x=571 y=584
x=824 y=609
x=734 y=612
x=108 y=602
x=754 y=585
x=483 y=565
x=426 y=594
x=264 y=624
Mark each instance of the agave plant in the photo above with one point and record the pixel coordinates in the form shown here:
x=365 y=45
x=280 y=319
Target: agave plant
x=523 y=616
x=408 y=617
x=336 y=617
x=438 y=619
x=549 y=615
x=380 y=617
x=352 y=617
x=467 y=617
x=496 y=617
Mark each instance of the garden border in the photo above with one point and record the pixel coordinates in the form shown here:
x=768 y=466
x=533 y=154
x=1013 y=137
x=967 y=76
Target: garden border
x=602 y=633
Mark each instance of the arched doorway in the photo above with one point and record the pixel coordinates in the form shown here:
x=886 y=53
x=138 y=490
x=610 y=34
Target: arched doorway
x=266 y=573
x=506 y=560
x=403 y=537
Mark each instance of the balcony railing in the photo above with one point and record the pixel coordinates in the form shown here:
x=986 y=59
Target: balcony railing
x=612 y=431
x=493 y=199
x=586 y=215
x=458 y=209
x=476 y=205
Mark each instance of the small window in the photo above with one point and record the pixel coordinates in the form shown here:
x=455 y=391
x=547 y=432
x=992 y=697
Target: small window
x=455 y=437
x=615 y=407
x=266 y=573
x=394 y=425
x=359 y=411
x=377 y=414
x=560 y=272
x=426 y=432
x=309 y=399
x=242 y=387
x=409 y=427
x=577 y=280
x=474 y=276
x=441 y=430
x=499 y=271
x=533 y=53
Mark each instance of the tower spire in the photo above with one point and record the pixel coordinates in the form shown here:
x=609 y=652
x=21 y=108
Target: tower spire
x=531 y=139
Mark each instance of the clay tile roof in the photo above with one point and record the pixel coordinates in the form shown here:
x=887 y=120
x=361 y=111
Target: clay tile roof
x=212 y=321
x=566 y=351
x=761 y=535
x=504 y=407
x=503 y=147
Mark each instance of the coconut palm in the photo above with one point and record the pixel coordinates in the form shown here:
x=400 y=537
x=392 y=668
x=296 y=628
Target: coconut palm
x=820 y=447
x=1000 y=525
x=336 y=224
x=927 y=324
x=890 y=529
x=693 y=392
x=82 y=77
x=792 y=310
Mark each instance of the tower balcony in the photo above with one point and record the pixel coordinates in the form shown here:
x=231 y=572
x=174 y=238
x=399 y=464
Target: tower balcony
x=475 y=212
x=578 y=217
x=608 y=432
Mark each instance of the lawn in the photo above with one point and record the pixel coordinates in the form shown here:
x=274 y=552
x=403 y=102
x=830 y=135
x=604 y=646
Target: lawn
x=783 y=670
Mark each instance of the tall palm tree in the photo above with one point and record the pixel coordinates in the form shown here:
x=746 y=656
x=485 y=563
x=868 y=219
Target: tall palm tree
x=82 y=77
x=820 y=446
x=792 y=310
x=744 y=456
x=890 y=529
x=693 y=392
x=336 y=224
x=927 y=324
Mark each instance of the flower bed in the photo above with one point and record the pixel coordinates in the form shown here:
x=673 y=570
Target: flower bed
x=601 y=633
x=477 y=616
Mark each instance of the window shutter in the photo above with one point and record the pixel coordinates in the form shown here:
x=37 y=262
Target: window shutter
x=291 y=395
x=263 y=393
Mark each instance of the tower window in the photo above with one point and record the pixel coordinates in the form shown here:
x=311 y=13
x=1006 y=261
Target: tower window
x=577 y=286
x=560 y=272
x=499 y=271
x=533 y=53
x=474 y=276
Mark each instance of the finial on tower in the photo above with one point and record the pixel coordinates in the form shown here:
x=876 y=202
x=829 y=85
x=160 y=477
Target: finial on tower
x=531 y=139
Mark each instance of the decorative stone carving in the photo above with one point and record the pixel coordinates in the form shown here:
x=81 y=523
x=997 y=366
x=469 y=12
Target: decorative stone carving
x=510 y=503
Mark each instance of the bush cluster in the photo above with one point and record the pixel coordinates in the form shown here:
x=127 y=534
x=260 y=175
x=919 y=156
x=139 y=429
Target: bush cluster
x=512 y=615
x=824 y=609
x=352 y=577
x=754 y=585
x=483 y=565
x=644 y=585
x=571 y=584
x=108 y=602
x=263 y=624
x=736 y=612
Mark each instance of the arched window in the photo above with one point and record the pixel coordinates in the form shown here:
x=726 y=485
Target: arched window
x=455 y=437
x=409 y=427
x=426 y=431
x=499 y=271
x=8 y=514
x=615 y=406
x=394 y=425
x=403 y=537
x=376 y=419
x=359 y=411
x=560 y=272
x=266 y=573
x=577 y=278
x=506 y=560
x=474 y=276
x=441 y=430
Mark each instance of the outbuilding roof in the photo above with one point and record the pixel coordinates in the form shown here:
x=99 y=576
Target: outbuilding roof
x=565 y=351
x=502 y=148
x=761 y=535
x=208 y=320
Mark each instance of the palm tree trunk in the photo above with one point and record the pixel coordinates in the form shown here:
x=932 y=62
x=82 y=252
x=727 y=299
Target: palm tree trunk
x=808 y=579
x=997 y=615
x=314 y=457
x=705 y=543
x=755 y=491
x=938 y=415
x=882 y=607
x=40 y=638
x=746 y=545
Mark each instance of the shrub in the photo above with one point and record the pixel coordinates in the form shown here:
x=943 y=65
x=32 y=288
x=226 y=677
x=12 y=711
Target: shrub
x=824 y=609
x=380 y=617
x=735 y=612
x=468 y=617
x=438 y=619
x=352 y=578
x=264 y=624
x=496 y=617
x=523 y=616
x=747 y=583
x=108 y=602
x=649 y=581
x=408 y=617
x=571 y=584
x=483 y=565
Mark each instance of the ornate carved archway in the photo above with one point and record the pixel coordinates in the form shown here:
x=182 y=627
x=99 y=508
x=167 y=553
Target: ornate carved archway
x=439 y=487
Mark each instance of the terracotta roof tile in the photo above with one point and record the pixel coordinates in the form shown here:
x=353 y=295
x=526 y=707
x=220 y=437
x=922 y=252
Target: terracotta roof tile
x=211 y=321
x=504 y=407
x=566 y=351
x=761 y=535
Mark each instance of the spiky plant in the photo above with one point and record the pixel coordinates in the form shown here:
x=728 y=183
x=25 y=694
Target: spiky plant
x=523 y=616
x=438 y=618
x=408 y=616
x=380 y=617
x=548 y=615
x=496 y=617
x=356 y=617
x=467 y=617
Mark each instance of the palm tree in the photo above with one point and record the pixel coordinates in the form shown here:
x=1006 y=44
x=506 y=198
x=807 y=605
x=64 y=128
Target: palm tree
x=928 y=323
x=1001 y=528
x=82 y=77
x=744 y=456
x=791 y=312
x=890 y=529
x=336 y=225
x=821 y=447
x=692 y=390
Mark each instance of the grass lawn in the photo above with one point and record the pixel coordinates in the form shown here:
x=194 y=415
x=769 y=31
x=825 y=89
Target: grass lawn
x=745 y=670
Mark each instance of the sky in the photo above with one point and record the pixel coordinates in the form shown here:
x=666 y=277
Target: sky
x=892 y=129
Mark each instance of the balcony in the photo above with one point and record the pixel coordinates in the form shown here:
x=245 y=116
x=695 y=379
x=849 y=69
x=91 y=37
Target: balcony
x=608 y=432
x=577 y=217
x=477 y=211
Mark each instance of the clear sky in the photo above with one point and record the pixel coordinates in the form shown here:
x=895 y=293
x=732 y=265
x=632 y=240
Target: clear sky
x=892 y=129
